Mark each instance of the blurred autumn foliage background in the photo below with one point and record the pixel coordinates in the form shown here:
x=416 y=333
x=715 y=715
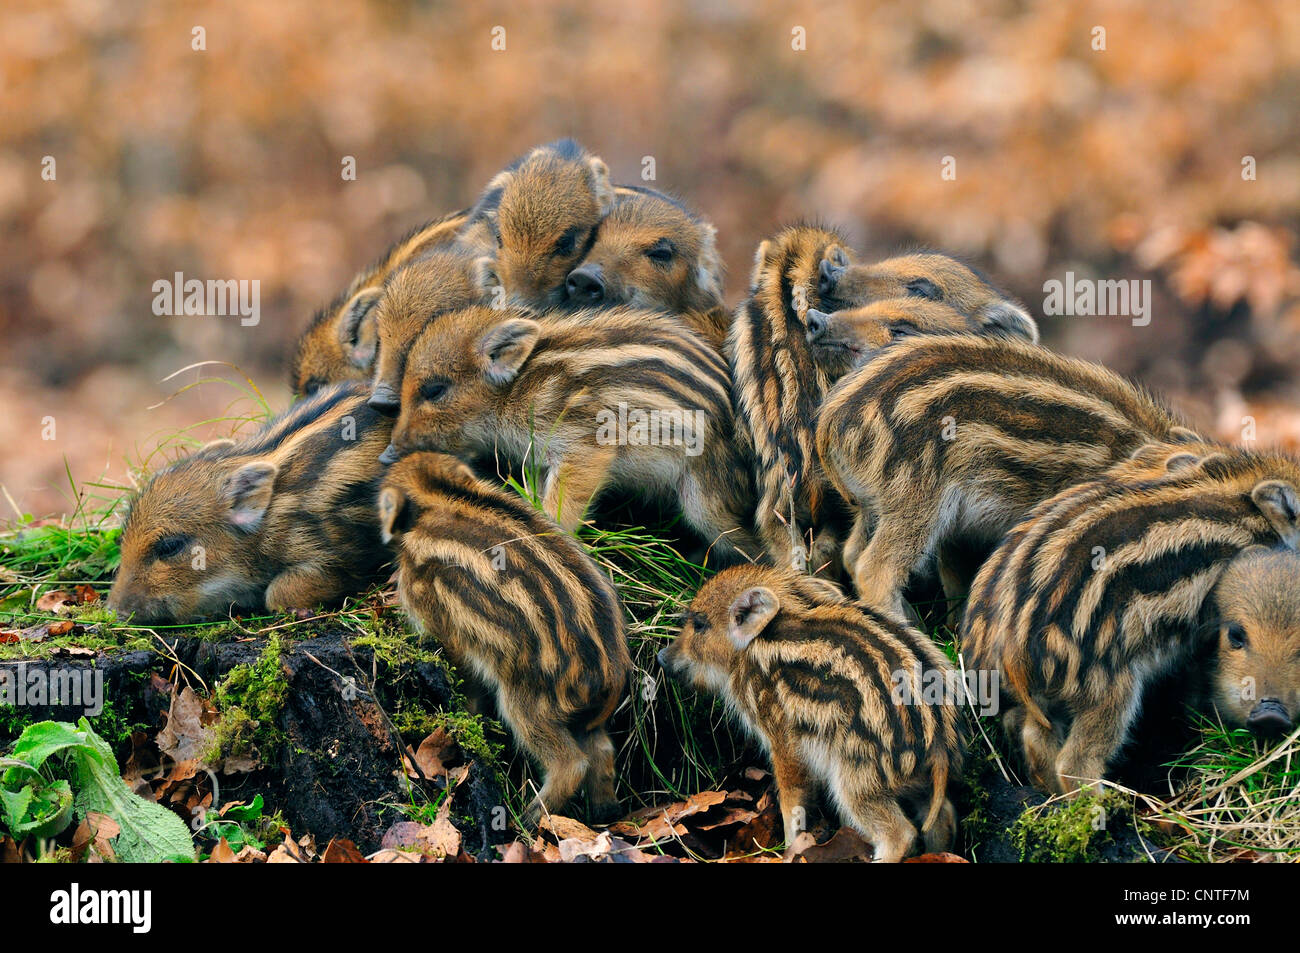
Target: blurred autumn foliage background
x=226 y=162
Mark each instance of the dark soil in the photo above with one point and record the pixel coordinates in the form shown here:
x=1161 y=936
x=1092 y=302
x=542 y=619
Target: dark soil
x=338 y=772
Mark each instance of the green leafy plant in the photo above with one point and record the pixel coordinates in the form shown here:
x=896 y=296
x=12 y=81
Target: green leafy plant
x=246 y=825
x=58 y=771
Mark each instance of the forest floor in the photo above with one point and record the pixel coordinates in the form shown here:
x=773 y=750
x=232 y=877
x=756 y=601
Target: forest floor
x=339 y=736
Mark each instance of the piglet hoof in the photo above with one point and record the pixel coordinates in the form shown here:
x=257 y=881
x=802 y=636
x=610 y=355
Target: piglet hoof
x=606 y=813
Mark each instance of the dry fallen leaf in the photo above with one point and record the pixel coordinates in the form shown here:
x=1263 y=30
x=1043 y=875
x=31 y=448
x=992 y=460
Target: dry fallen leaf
x=83 y=594
x=845 y=846
x=565 y=828
x=389 y=855
x=943 y=858
x=604 y=849
x=9 y=852
x=61 y=601
x=342 y=851
x=664 y=823
x=432 y=757
x=94 y=834
x=56 y=600
x=221 y=854
x=73 y=651
x=516 y=852
x=437 y=841
x=185 y=737
x=189 y=736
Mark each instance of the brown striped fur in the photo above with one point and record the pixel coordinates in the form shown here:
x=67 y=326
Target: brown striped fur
x=340 y=342
x=542 y=391
x=652 y=252
x=814 y=680
x=285 y=518
x=523 y=613
x=777 y=387
x=925 y=276
x=445 y=279
x=946 y=442
x=847 y=339
x=542 y=212
x=1101 y=590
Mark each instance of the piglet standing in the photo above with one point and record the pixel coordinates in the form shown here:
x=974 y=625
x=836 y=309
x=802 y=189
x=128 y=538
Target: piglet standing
x=840 y=695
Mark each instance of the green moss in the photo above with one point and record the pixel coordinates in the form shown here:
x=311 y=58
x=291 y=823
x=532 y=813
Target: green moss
x=98 y=636
x=13 y=721
x=1071 y=832
x=481 y=738
x=58 y=855
x=220 y=631
x=250 y=700
x=94 y=613
x=472 y=733
x=394 y=644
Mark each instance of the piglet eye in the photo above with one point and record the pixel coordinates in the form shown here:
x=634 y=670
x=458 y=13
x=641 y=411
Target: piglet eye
x=661 y=252
x=1236 y=636
x=433 y=390
x=924 y=288
x=568 y=242
x=902 y=329
x=169 y=546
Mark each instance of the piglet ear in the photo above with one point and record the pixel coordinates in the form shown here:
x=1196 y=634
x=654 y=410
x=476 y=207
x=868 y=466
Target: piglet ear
x=358 y=331
x=483 y=275
x=750 y=614
x=1280 y=504
x=488 y=203
x=248 y=493
x=760 y=260
x=504 y=348
x=456 y=470
x=1181 y=461
x=217 y=446
x=1005 y=319
x=709 y=271
x=601 y=185
x=395 y=516
x=1184 y=435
